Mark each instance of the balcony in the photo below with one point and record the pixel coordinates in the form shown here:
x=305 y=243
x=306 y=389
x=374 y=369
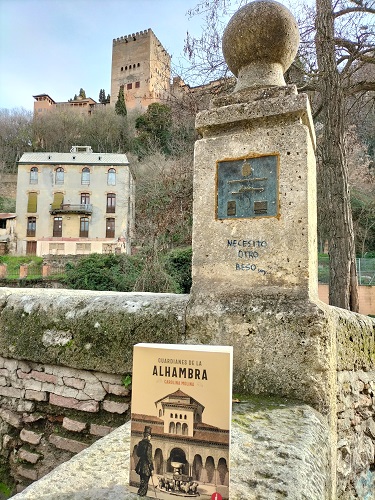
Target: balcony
x=67 y=208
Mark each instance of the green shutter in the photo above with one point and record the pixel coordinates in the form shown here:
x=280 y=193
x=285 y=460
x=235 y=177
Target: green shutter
x=32 y=203
x=58 y=198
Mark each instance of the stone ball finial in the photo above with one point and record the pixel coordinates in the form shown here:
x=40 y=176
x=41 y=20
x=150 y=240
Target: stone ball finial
x=260 y=43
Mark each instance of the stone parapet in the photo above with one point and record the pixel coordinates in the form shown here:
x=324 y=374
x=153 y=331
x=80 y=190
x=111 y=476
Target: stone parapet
x=279 y=448
x=86 y=330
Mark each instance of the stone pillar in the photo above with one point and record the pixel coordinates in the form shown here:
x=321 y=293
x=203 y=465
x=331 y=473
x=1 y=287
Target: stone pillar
x=255 y=181
x=255 y=279
x=3 y=271
x=46 y=270
x=23 y=271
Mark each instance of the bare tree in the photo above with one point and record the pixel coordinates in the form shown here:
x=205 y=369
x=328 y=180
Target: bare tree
x=15 y=137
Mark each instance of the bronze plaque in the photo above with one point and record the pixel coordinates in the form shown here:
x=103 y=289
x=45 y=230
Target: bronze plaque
x=248 y=187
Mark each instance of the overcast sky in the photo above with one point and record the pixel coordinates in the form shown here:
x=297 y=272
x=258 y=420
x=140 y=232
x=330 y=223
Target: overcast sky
x=58 y=46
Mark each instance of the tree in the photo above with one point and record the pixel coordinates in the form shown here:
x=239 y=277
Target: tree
x=82 y=93
x=15 y=137
x=154 y=128
x=120 y=106
x=102 y=98
x=341 y=50
x=343 y=290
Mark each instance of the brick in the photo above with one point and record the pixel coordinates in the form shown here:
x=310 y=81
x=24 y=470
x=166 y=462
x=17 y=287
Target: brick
x=24 y=366
x=67 y=444
x=28 y=456
x=90 y=406
x=3 y=381
x=11 y=392
x=34 y=385
x=109 y=377
x=25 y=406
x=100 y=430
x=30 y=419
x=30 y=436
x=27 y=472
x=114 y=407
x=11 y=418
x=9 y=442
x=76 y=383
x=73 y=425
x=11 y=365
x=67 y=392
x=36 y=395
x=23 y=375
x=44 y=377
x=95 y=390
x=4 y=372
x=116 y=389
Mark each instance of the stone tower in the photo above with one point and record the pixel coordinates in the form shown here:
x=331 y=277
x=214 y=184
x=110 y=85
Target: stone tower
x=142 y=65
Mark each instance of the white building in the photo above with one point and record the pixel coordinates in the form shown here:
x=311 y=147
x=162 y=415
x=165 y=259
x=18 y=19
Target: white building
x=74 y=203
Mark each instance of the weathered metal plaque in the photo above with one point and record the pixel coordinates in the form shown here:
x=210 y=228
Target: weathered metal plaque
x=248 y=187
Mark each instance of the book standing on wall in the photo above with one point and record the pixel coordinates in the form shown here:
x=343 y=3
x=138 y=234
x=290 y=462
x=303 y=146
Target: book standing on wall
x=180 y=421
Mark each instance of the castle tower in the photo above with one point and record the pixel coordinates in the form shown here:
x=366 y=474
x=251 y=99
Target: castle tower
x=142 y=65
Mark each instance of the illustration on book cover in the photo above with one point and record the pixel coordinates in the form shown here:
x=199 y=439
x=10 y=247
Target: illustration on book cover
x=180 y=421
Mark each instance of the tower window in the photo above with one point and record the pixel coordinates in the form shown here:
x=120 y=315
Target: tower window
x=137 y=85
x=129 y=86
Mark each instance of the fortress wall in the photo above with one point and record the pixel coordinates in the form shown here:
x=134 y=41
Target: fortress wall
x=65 y=352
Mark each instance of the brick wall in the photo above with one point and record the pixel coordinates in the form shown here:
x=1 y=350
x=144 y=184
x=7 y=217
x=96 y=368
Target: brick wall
x=49 y=413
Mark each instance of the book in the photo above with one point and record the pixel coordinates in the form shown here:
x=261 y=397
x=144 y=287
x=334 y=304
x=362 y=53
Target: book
x=181 y=412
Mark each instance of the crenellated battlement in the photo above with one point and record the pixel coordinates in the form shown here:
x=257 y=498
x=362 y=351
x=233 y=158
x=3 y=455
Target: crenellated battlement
x=132 y=37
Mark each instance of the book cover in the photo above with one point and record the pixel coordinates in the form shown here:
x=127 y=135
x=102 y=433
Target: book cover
x=180 y=421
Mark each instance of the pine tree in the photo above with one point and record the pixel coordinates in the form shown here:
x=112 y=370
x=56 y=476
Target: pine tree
x=120 y=106
x=82 y=93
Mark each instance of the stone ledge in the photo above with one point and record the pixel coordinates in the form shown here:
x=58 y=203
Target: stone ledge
x=279 y=448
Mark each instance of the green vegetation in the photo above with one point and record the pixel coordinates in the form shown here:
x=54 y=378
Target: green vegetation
x=144 y=272
x=120 y=106
x=13 y=264
x=7 y=204
x=103 y=272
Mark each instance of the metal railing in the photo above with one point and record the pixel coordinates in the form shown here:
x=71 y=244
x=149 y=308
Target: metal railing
x=70 y=208
x=365 y=270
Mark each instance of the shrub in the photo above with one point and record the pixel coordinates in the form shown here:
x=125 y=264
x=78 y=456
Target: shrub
x=178 y=265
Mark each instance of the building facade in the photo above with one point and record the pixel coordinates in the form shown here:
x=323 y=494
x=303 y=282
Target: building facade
x=44 y=103
x=74 y=203
x=142 y=66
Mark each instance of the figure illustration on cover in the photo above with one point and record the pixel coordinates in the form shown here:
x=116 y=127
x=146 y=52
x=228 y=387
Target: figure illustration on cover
x=175 y=453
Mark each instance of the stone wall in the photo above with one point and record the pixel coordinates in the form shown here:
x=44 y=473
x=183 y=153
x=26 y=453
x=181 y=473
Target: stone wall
x=356 y=433
x=63 y=351
x=49 y=413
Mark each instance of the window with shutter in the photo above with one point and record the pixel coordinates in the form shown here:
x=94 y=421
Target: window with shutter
x=32 y=203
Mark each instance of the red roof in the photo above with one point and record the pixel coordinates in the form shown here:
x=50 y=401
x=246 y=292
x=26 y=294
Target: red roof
x=7 y=216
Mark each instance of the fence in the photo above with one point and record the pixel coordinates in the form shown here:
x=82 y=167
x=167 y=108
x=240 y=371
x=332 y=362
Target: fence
x=365 y=270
